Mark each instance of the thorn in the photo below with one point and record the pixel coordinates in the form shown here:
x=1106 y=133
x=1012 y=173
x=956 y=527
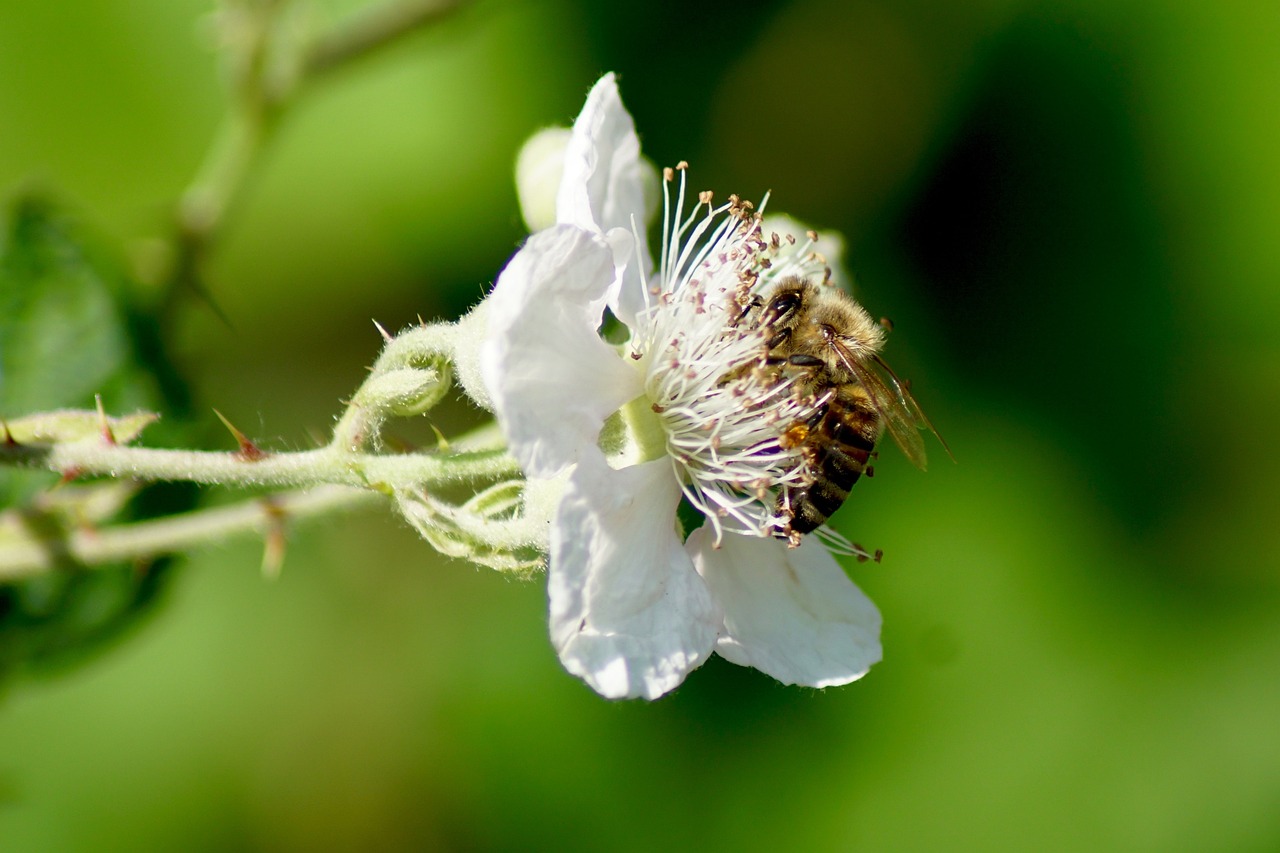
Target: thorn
x=871 y=471
x=103 y=424
x=886 y=324
x=317 y=440
x=386 y=336
x=878 y=555
x=274 y=540
x=442 y=443
x=9 y=440
x=248 y=452
x=70 y=475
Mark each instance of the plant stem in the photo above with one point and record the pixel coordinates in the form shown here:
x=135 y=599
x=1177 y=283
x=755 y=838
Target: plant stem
x=147 y=539
x=331 y=465
x=256 y=111
x=370 y=31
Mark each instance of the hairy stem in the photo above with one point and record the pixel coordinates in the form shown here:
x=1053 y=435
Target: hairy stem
x=147 y=539
x=328 y=465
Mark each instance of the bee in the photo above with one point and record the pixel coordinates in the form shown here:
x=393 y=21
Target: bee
x=831 y=345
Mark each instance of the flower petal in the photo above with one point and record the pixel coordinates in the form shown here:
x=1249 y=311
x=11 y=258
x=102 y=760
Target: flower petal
x=551 y=378
x=603 y=183
x=789 y=612
x=628 y=612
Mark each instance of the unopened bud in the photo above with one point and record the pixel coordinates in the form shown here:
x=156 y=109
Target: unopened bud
x=538 y=170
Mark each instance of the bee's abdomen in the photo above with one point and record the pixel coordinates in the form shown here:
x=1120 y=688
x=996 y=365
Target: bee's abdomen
x=839 y=444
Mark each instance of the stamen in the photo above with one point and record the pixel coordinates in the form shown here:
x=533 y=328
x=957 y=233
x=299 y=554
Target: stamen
x=732 y=423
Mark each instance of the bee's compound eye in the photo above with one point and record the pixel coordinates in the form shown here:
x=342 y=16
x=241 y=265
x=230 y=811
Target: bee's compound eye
x=781 y=306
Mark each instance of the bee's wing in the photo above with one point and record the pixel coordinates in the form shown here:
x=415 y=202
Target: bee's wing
x=918 y=417
x=898 y=410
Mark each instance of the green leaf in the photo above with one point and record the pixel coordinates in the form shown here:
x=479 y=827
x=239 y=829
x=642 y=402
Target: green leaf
x=63 y=337
x=68 y=332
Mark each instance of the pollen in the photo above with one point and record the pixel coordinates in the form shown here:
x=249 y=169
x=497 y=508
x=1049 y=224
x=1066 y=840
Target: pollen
x=794 y=436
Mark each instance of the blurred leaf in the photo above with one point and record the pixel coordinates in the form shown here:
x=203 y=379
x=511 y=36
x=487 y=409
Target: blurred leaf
x=62 y=338
x=74 y=425
x=67 y=333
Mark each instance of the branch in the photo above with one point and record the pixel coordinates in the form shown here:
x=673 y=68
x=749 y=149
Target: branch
x=372 y=30
x=147 y=539
x=328 y=465
x=259 y=104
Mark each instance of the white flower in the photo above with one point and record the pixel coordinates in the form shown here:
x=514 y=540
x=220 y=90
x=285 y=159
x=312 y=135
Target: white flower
x=683 y=407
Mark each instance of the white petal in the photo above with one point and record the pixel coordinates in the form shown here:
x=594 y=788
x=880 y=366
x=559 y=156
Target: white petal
x=628 y=612
x=550 y=377
x=604 y=178
x=830 y=244
x=789 y=612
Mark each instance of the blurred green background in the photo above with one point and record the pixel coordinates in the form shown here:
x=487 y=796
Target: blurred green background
x=1069 y=209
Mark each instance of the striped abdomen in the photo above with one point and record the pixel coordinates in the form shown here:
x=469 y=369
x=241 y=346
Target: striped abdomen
x=839 y=442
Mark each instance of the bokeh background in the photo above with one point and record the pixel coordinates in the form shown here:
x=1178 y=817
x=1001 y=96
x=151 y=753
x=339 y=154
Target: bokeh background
x=1068 y=208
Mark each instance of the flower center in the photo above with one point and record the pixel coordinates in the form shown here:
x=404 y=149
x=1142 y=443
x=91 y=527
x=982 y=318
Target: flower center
x=645 y=428
x=714 y=404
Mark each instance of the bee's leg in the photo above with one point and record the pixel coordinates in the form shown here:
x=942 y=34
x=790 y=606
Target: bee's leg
x=779 y=339
x=785 y=514
x=801 y=360
x=756 y=302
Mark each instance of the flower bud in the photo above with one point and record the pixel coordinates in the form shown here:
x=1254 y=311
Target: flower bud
x=406 y=391
x=538 y=170
x=469 y=334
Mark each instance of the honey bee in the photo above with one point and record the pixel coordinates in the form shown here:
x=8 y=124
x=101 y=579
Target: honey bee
x=831 y=345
